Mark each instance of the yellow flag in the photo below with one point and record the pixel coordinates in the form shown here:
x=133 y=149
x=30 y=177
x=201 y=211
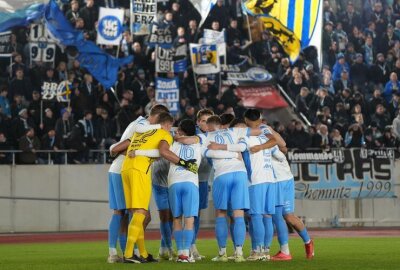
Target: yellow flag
x=290 y=43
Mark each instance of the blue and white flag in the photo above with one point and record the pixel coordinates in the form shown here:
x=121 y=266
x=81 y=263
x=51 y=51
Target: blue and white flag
x=101 y=65
x=203 y=7
x=167 y=93
x=171 y=60
x=160 y=35
x=110 y=26
x=19 y=13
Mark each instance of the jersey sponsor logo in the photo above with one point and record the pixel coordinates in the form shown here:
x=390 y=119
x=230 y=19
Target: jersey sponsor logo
x=142 y=138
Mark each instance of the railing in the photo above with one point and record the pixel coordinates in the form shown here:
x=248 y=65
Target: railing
x=49 y=159
x=288 y=99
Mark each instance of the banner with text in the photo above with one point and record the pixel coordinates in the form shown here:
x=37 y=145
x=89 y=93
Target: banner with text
x=171 y=60
x=110 y=26
x=5 y=44
x=42 y=46
x=143 y=14
x=160 y=35
x=167 y=93
x=57 y=92
x=343 y=173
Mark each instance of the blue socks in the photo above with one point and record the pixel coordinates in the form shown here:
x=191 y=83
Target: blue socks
x=122 y=242
x=281 y=227
x=304 y=235
x=251 y=231
x=196 y=229
x=188 y=236
x=269 y=231
x=113 y=230
x=258 y=231
x=178 y=235
x=231 y=226
x=166 y=234
x=221 y=231
x=239 y=231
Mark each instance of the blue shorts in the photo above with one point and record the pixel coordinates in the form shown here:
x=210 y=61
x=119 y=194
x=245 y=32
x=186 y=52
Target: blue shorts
x=285 y=195
x=262 y=199
x=115 y=191
x=203 y=195
x=232 y=190
x=161 y=197
x=184 y=199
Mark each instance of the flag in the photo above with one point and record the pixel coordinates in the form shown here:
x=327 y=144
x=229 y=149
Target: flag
x=110 y=28
x=60 y=28
x=296 y=24
x=64 y=91
x=205 y=58
x=167 y=93
x=101 y=65
x=203 y=7
x=19 y=13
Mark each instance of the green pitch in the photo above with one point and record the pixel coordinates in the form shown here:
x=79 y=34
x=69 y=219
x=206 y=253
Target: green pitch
x=331 y=253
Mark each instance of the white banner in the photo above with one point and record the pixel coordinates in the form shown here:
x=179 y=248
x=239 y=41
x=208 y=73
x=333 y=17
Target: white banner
x=42 y=47
x=61 y=92
x=205 y=58
x=5 y=44
x=143 y=14
x=216 y=37
x=110 y=26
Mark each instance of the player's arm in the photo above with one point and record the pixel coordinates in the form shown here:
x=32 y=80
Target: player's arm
x=187 y=139
x=220 y=154
x=151 y=153
x=190 y=165
x=119 y=147
x=278 y=155
x=238 y=147
x=269 y=144
x=142 y=128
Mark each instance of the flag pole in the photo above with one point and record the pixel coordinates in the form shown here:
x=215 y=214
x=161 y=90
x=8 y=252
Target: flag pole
x=41 y=112
x=195 y=85
x=115 y=95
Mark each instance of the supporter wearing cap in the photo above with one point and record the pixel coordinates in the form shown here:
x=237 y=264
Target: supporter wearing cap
x=391 y=87
x=340 y=65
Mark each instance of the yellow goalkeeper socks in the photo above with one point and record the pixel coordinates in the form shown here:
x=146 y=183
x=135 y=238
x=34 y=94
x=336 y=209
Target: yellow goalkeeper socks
x=141 y=245
x=134 y=230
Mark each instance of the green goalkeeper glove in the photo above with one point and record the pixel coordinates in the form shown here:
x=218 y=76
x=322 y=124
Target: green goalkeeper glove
x=189 y=165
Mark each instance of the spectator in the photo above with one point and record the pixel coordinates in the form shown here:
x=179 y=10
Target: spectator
x=64 y=125
x=380 y=71
x=303 y=99
x=194 y=32
x=336 y=139
x=73 y=13
x=49 y=121
x=389 y=139
x=28 y=144
x=359 y=72
x=20 y=86
x=394 y=105
x=357 y=116
x=396 y=126
x=88 y=130
x=4 y=102
x=340 y=66
x=375 y=100
x=105 y=131
x=391 y=87
x=51 y=142
x=354 y=137
x=343 y=82
x=5 y=158
x=89 y=14
x=381 y=117
x=302 y=140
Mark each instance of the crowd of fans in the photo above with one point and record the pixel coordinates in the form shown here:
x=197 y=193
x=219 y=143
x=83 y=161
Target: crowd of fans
x=353 y=102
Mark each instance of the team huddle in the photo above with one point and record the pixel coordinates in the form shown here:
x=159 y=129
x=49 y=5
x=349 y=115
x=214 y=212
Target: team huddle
x=251 y=181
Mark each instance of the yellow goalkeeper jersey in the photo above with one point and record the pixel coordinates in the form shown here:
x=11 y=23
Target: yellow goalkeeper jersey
x=145 y=141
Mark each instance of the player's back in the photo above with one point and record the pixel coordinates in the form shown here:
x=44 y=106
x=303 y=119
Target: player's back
x=281 y=166
x=258 y=165
x=128 y=133
x=179 y=174
x=227 y=165
x=206 y=171
x=145 y=141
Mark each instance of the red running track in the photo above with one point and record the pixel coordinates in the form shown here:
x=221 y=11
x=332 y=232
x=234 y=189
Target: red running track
x=155 y=235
